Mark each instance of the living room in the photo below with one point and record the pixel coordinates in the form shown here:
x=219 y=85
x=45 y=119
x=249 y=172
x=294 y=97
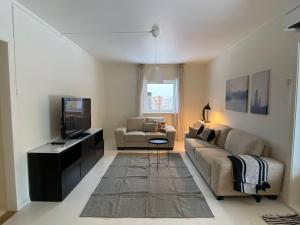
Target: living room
x=112 y=54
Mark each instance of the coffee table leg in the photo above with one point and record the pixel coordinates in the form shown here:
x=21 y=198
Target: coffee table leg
x=148 y=155
x=157 y=157
x=168 y=157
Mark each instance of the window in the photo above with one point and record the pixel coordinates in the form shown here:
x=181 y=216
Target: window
x=160 y=97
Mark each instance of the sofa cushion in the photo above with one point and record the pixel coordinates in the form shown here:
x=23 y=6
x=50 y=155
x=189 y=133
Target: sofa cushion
x=150 y=135
x=222 y=132
x=134 y=136
x=240 y=142
x=193 y=143
x=209 y=135
x=135 y=124
x=204 y=158
x=150 y=127
x=192 y=132
x=153 y=119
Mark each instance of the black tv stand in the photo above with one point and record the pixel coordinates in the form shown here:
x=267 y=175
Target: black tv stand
x=81 y=135
x=54 y=170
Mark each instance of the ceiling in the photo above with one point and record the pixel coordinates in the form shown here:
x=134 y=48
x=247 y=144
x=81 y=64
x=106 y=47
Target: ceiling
x=191 y=30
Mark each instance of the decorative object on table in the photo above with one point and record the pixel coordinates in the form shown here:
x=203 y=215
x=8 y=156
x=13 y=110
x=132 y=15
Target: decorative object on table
x=205 y=108
x=260 y=92
x=287 y=219
x=237 y=94
x=132 y=189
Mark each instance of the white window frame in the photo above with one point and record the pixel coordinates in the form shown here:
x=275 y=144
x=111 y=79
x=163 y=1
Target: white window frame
x=175 y=96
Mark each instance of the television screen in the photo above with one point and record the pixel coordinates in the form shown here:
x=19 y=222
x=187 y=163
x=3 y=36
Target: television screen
x=76 y=116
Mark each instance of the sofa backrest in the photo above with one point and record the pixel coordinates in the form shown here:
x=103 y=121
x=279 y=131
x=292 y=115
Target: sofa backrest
x=241 y=142
x=135 y=124
x=153 y=119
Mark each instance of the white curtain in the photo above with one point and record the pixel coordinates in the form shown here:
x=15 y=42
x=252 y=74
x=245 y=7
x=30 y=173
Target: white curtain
x=178 y=118
x=168 y=72
x=140 y=89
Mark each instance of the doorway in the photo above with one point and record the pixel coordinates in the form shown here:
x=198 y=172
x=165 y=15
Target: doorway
x=4 y=71
x=8 y=194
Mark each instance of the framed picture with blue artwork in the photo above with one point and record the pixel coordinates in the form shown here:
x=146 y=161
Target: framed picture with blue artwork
x=237 y=94
x=260 y=92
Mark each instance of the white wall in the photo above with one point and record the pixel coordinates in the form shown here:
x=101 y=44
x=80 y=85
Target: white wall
x=120 y=95
x=46 y=66
x=195 y=79
x=6 y=20
x=267 y=48
x=3 y=72
x=294 y=198
x=2 y=173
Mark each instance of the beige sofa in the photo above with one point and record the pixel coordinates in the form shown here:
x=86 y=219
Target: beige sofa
x=212 y=163
x=134 y=136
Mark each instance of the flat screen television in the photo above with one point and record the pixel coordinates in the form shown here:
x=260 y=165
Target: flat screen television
x=76 y=116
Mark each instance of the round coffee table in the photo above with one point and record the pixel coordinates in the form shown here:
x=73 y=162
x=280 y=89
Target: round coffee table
x=157 y=142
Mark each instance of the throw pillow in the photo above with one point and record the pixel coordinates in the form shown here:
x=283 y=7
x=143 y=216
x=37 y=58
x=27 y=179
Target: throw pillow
x=208 y=135
x=161 y=126
x=200 y=130
x=193 y=132
x=150 y=127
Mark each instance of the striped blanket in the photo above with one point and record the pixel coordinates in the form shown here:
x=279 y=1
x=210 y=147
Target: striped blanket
x=290 y=219
x=250 y=174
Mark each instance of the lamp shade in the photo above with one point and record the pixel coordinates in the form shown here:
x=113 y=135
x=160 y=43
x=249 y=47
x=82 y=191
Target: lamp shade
x=155 y=75
x=207 y=107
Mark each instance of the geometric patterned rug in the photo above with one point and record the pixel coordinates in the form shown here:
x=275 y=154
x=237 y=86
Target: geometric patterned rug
x=131 y=188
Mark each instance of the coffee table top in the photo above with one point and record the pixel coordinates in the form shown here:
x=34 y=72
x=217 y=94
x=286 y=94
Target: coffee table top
x=158 y=141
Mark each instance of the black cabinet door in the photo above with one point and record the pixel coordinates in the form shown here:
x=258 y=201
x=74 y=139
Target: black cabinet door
x=70 y=177
x=88 y=155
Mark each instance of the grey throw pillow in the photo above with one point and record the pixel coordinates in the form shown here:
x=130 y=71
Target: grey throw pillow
x=208 y=135
x=193 y=132
x=150 y=127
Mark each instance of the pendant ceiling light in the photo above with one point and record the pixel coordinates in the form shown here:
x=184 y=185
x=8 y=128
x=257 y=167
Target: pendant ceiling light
x=156 y=75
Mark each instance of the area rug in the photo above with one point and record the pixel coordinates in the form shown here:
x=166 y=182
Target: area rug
x=132 y=189
x=290 y=219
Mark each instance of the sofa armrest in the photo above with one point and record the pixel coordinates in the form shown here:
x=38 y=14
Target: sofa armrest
x=171 y=135
x=119 y=134
x=222 y=176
